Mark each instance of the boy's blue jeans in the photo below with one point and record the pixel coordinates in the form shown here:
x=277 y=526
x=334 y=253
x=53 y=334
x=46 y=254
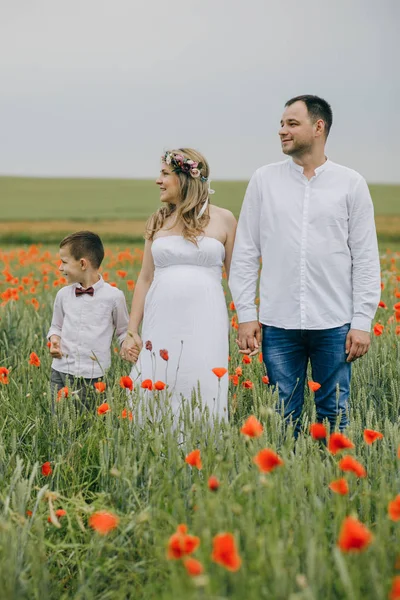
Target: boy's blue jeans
x=286 y=353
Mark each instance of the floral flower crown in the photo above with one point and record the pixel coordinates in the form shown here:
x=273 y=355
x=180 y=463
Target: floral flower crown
x=185 y=165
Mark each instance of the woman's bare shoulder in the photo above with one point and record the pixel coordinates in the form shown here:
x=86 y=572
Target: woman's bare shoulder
x=222 y=213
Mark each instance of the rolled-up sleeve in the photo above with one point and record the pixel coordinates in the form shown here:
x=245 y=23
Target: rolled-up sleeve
x=246 y=255
x=365 y=257
x=120 y=317
x=58 y=317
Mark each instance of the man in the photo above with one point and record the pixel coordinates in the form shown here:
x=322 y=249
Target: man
x=312 y=223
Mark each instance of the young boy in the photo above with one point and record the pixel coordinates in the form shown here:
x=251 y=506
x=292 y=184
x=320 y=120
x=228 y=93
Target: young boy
x=86 y=313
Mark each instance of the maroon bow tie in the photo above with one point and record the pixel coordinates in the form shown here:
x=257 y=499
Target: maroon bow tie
x=79 y=291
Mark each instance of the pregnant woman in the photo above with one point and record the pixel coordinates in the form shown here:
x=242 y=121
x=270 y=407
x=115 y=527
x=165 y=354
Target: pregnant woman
x=179 y=294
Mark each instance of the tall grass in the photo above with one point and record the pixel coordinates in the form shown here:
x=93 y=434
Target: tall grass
x=286 y=523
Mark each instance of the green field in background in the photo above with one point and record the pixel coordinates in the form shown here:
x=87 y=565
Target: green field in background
x=100 y=199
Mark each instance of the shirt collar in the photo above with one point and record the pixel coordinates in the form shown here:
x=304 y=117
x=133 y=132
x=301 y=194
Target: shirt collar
x=99 y=284
x=300 y=169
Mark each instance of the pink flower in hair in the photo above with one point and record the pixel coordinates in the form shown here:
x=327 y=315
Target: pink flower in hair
x=195 y=172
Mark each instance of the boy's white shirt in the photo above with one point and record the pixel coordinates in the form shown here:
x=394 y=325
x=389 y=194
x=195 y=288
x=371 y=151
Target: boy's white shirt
x=86 y=325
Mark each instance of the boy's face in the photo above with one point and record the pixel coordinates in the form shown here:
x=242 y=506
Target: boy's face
x=71 y=268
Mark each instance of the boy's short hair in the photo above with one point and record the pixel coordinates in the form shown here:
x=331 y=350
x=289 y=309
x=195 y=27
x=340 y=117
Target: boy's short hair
x=85 y=244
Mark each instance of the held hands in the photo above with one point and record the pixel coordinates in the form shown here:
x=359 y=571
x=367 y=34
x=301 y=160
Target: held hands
x=249 y=338
x=357 y=344
x=55 y=346
x=131 y=347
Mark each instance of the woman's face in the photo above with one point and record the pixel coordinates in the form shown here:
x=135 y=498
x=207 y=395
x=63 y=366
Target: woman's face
x=169 y=185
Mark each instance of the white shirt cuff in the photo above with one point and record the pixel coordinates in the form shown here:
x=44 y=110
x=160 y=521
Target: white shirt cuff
x=247 y=314
x=54 y=331
x=362 y=323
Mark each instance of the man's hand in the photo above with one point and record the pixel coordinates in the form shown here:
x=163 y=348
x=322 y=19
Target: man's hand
x=357 y=344
x=131 y=347
x=249 y=338
x=55 y=346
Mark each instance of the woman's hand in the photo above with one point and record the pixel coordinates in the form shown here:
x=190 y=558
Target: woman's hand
x=131 y=347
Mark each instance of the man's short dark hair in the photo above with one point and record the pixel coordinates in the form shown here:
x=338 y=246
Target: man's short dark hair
x=85 y=244
x=318 y=108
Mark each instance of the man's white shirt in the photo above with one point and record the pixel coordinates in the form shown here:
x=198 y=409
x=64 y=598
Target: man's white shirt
x=86 y=325
x=317 y=241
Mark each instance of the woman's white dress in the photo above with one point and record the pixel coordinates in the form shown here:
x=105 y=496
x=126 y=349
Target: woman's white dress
x=185 y=314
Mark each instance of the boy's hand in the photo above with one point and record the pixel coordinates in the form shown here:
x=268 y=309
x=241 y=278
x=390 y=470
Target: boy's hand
x=55 y=346
x=131 y=347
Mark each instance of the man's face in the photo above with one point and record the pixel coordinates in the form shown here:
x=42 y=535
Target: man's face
x=69 y=266
x=297 y=131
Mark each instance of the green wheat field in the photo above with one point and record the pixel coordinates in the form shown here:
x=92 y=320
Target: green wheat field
x=60 y=467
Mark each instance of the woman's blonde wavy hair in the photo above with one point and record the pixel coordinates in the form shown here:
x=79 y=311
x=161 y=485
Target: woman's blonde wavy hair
x=193 y=192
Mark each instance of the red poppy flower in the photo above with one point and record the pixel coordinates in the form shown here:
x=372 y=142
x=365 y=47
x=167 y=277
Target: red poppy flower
x=248 y=384
x=395 y=591
x=252 y=427
x=159 y=385
x=147 y=384
x=194 y=459
x=394 y=509
x=148 y=345
x=122 y=274
x=213 y=483
x=370 y=436
x=260 y=358
x=103 y=522
x=313 y=385
x=219 y=371
x=246 y=360
x=340 y=486
x=232 y=306
x=103 y=408
x=181 y=544
x=378 y=329
x=127 y=414
x=267 y=460
x=34 y=359
x=29 y=513
x=35 y=303
x=265 y=379
x=318 y=431
x=348 y=463
x=100 y=386
x=60 y=512
x=46 y=469
x=3 y=375
x=382 y=304
x=126 y=382
x=234 y=379
x=239 y=371
x=63 y=393
x=337 y=442
x=193 y=567
x=164 y=355
x=225 y=552
x=354 y=536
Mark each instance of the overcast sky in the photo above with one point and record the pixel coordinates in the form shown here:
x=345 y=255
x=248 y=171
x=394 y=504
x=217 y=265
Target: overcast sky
x=101 y=87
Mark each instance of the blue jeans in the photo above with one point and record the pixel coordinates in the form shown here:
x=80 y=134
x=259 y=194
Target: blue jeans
x=286 y=353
